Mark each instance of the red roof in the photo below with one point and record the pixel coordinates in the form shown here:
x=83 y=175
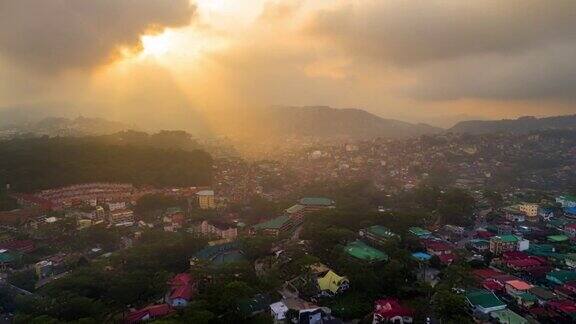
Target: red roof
x=514 y=255
x=564 y=305
x=182 y=286
x=523 y=263
x=447 y=258
x=486 y=273
x=181 y=279
x=23 y=246
x=152 y=311
x=539 y=271
x=41 y=202
x=570 y=226
x=438 y=246
x=184 y=292
x=492 y=285
x=389 y=308
x=503 y=278
x=484 y=234
x=519 y=284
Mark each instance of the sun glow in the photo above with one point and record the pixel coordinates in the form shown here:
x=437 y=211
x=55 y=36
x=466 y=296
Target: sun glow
x=156 y=45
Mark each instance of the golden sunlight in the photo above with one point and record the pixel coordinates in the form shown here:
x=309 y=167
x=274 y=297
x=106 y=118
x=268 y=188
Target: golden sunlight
x=156 y=45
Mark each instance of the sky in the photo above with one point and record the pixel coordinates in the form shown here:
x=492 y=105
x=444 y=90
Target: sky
x=180 y=64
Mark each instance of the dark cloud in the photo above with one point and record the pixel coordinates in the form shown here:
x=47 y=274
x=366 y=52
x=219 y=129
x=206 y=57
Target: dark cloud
x=410 y=32
x=547 y=73
x=53 y=35
x=453 y=49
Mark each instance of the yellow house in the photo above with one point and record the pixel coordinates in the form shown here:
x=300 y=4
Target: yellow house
x=332 y=284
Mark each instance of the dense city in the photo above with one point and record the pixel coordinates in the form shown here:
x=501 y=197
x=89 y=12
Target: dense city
x=435 y=229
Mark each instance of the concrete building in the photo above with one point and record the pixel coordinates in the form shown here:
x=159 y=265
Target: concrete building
x=206 y=199
x=503 y=243
x=220 y=229
x=121 y=217
x=530 y=210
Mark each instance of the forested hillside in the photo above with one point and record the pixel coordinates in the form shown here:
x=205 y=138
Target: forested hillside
x=39 y=163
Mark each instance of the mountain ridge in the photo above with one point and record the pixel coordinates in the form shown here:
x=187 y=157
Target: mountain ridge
x=520 y=125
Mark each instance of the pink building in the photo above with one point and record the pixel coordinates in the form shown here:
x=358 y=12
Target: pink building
x=220 y=229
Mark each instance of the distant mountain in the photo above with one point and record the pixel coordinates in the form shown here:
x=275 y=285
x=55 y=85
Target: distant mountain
x=325 y=122
x=520 y=125
x=59 y=126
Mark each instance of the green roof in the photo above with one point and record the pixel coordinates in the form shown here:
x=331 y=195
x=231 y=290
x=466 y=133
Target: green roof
x=541 y=248
x=294 y=209
x=275 y=223
x=508 y=238
x=507 y=316
x=362 y=251
x=561 y=276
x=418 y=231
x=484 y=298
x=568 y=197
x=6 y=257
x=316 y=201
x=528 y=297
x=557 y=238
x=381 y=231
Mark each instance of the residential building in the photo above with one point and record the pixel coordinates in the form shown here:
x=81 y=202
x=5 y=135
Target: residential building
x=331 y=284
x=88 y=192
x=561 y=276
x=570 y=260
x=390 y=311
x=115 y=205
x=296 y=214
x=378 y=235
x=121 y=217
x=274 y=227
x=566 y=201
x=517 y=287
x=419 y=232
x=220 y=229
x=514 y=214
x=174 y=219
x=507 y=316
x=182 y=289
x=530 y=210
x=484 y=302
x=570 y=230
x=278 y=311
x=543 y=295
x=148 y=313
x=206 y=199
x=503 y=243
x=316 y=203
x=361 y=251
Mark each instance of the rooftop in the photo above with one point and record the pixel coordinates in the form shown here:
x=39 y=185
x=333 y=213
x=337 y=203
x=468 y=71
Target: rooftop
x=519 y=284
x=362 y=251
x=507 y=238
x=507 y=316
x=484 y=299
x=381 y=231
x=316 y=201
x=295 y=209
x=418 y=231
x=558 y=238
x=275 y=223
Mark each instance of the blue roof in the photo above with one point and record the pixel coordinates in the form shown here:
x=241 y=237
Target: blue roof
x=570 y=210
x=421 y=256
